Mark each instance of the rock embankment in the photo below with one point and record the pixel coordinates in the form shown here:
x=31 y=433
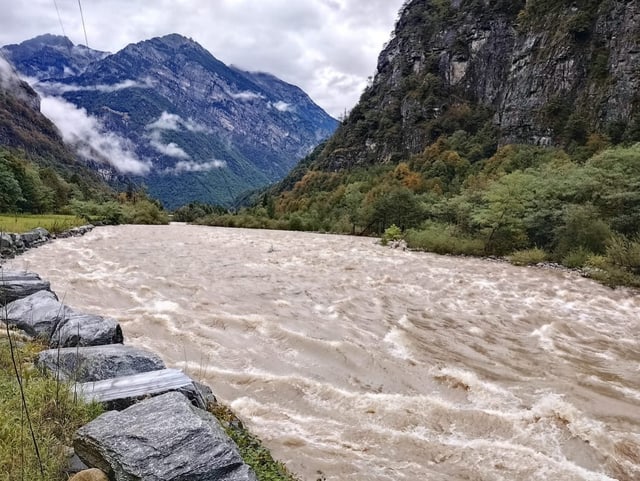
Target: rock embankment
x=14 y=244
x=158 y=427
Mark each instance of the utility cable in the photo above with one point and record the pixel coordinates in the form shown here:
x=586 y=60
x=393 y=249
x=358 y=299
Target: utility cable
x=59 y=18
x=84 y=28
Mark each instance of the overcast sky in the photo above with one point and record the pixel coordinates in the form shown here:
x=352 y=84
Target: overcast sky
x=326 y=47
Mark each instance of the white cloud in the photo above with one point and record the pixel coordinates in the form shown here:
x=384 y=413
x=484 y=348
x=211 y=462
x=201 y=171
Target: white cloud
x=171 y=149
x=90 y=139
x=283 y=106
x=246 y=96
x=191 y=166
x=168 y=121
x=57 y=88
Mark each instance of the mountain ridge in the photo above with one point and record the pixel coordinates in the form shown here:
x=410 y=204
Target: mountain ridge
x=207 y=132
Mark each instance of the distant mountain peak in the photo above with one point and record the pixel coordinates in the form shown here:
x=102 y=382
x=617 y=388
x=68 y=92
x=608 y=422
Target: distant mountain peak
x=207 y=131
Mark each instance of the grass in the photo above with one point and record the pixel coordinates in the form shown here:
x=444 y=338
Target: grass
x=443 y=239
x=54 y=223
x=528 y=257
x=251 y=448
x=55 y=418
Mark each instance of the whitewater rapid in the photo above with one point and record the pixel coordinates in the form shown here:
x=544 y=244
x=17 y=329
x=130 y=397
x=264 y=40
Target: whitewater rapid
x=357 y=362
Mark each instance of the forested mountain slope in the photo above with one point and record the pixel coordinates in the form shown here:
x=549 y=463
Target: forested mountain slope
x=491 y=127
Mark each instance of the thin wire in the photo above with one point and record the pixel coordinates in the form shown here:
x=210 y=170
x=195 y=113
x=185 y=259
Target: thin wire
x=59 y=18
x=86 y=40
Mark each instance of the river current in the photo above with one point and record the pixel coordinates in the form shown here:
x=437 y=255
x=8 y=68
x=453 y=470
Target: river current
x=357 y=362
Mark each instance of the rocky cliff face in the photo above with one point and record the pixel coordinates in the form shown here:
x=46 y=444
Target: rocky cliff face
x=50 y=56
x=206 y=131
x=539 y=72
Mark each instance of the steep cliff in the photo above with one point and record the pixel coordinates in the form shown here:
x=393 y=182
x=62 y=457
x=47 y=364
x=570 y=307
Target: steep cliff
x=505 y=71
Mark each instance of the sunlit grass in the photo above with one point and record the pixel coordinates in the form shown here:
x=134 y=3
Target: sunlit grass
x=54 y=223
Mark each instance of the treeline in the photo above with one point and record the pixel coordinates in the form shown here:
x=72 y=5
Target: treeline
x=28 y=188
x=529 y=203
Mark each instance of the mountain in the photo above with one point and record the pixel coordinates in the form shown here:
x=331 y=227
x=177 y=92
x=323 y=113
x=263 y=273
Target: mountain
x=50 y=56
x=492 y=127
x=38 y=172
x=199 y=130
x=539 y=72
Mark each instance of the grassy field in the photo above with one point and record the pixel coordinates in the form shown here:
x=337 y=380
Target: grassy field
x=19 y=223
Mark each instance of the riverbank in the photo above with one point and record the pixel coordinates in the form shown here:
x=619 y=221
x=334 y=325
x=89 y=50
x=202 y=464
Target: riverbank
x=13 y=244
x=26 y=293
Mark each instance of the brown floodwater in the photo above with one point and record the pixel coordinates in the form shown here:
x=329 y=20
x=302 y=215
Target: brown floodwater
x=357 y=362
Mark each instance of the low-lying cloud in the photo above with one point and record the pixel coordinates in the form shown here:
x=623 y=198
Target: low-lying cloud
x=90 y=139
x=282 y=106
x=246 y=96
x=169 y=121
x=171 y=149
x=57 y=88
x=191 y=166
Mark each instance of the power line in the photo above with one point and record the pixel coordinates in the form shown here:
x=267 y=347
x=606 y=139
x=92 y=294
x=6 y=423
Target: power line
x=86 y=41
x=59 y=18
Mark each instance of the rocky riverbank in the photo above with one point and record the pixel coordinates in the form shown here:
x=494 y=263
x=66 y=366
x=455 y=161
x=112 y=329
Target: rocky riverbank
x=158 y=426
x=14 y=244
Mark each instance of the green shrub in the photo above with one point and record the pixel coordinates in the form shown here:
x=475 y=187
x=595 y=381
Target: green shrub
x=577 y=258
x=392 y=233
x=443 y=239
x=528 y=257
x=624 y=252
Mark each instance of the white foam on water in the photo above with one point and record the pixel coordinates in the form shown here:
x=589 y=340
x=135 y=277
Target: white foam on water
x=397 y=343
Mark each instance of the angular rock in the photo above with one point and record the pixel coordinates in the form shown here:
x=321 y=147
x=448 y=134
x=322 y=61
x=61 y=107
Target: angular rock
x=16 y=285
x=38 y=314
x=161 y=439
x=122 y=392
x=96 y=363
x=86 y=330
x=35 y=237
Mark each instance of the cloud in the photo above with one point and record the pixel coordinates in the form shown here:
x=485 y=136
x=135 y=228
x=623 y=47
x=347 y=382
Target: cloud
x=283 y=106
x=168 y=121
x=171 y=149
x=171 y=122
x=90 y=139
x=307 y=43
x=9 y=80
x=246 y=96
x=191 y=166
x=57 y=88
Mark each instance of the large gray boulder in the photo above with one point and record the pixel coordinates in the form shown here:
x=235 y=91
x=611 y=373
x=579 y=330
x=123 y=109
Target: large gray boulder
x=85 y=330
x=35 y=237
x=96 y=363
x=124 y=391
x=38 y=314
x=16 y=285
x=164 y=438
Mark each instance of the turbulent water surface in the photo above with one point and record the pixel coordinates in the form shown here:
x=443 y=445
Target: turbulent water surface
x=357 y=362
